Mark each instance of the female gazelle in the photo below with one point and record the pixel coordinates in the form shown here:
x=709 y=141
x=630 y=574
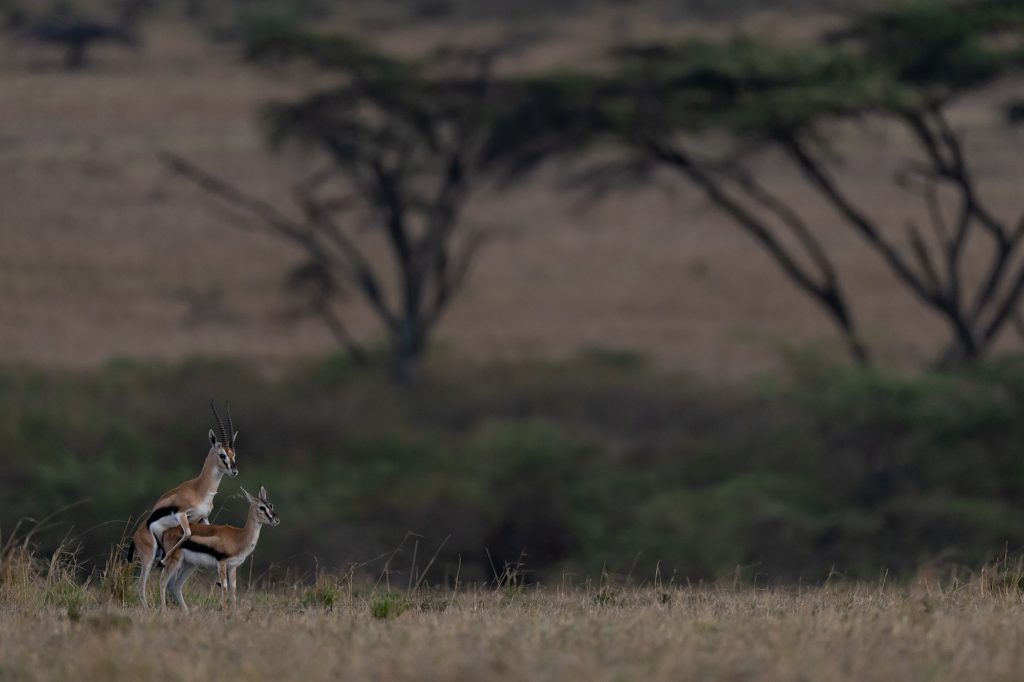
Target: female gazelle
x=190 y=502
x=225 y=547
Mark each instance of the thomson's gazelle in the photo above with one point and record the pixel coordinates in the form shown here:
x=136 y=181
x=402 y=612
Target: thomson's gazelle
x=225 y=547
x=190 y=502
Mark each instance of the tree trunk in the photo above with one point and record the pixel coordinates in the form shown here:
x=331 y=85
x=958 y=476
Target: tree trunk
x=408 y=343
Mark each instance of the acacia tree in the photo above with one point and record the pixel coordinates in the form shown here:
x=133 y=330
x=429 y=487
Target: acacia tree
x=406 y=144
x=706 y=110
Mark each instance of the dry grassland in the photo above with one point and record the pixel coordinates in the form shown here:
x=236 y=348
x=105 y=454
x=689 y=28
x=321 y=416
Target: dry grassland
x=841 y=632
x=103 y=254
x=941 y=625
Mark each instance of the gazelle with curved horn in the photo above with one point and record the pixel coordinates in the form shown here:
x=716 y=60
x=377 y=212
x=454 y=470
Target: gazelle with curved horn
x=190 y=502
x=225 y=547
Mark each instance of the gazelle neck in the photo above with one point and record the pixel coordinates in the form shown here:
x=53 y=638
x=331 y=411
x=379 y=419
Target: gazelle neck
x=252 y=526
x=211 y=473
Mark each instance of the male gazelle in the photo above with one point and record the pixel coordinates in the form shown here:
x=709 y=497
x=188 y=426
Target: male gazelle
x=225 y=547
x=192 y=501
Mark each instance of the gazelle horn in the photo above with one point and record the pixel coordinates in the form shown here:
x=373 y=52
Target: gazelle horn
x=231 y=428
x=223 y=437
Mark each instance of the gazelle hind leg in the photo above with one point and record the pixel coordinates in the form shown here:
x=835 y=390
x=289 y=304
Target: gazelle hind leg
x=146 y=552
x=183 y=574
x=182 y=518
x=170 y=572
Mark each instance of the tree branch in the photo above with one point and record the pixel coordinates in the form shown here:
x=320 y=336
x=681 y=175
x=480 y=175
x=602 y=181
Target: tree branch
x=789 y=218
x=358 y=269
x=923 y=257
x=828 y=293
x=821 y=179
x=305 y=238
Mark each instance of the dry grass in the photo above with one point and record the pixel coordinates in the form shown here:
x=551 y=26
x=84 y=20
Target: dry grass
x=842 y=631
x=103 y=255
x=55 y=627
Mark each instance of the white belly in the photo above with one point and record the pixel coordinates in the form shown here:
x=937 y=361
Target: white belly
x=200 y=559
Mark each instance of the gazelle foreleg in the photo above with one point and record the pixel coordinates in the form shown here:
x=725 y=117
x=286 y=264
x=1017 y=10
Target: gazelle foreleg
x=222 y=573
x=182 y=518
x=234 y=584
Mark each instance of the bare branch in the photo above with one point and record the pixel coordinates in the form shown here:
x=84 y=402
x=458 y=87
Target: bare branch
x=1018 y=323
x=827 y=293
x=923 y=257
x=789 y=218
x=1010 y=303
x=956 y=170
x=356 y=266
x=340 y=332
x=454 y=277
x=304 y=237
x=277 y=221
x=820 y=178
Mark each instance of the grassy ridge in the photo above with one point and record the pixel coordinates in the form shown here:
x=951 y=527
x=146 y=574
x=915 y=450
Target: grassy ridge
x=593 y=465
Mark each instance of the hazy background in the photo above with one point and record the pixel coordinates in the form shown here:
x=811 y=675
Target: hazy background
x=622 y=382
x=106 y=255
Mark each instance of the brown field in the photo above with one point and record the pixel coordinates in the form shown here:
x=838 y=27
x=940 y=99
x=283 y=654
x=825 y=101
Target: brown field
x=840 y=632
x=104 y=255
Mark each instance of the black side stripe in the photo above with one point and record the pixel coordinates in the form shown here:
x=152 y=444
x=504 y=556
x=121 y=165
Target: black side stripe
x=193 y=546
x=160 y=513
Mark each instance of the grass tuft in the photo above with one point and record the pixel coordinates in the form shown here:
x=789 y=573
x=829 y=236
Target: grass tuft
x=608 y=596
x=388 y=605
x=61 y=588
x=118 y=578
x=326 y=593
x=104 y=622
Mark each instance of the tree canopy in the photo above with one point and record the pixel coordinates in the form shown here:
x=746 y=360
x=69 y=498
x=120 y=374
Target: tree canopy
x=406 y=144
x=705 y=108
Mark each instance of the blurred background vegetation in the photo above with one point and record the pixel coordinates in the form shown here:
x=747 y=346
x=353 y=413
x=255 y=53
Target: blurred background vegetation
x=230 y=15
x=565 y=469
x=597 y=462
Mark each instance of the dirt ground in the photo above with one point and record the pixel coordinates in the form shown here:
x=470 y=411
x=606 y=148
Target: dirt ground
x=104 y=254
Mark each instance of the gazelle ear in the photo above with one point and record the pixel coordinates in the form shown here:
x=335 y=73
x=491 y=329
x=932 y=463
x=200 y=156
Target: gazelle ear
x=233 y=439
x=247 y=495
x=213 y=438
x=263 y=494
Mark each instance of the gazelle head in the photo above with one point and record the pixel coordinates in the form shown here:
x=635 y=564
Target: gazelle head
x=224 y=449
x=262 y=507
